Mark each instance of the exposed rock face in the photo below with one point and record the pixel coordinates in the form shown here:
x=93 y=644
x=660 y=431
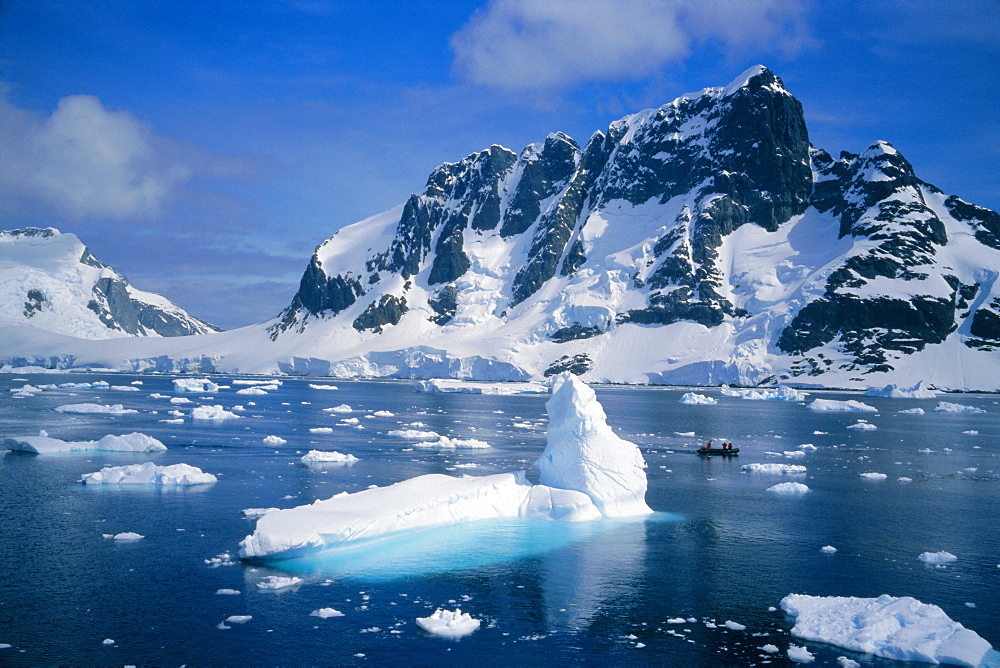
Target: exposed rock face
x=51 y=281
x=707 y=235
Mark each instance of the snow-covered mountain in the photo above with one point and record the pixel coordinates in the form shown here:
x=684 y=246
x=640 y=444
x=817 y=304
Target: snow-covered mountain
x=50 y=281
x=702 y=242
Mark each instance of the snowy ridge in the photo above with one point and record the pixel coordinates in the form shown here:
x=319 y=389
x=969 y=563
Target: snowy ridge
x=49 y=280
x=699 y=243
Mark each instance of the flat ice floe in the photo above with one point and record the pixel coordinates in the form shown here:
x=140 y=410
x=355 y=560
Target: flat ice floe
x=774 y=468
x=273 y=440
x=781 y=393
x=327 y=457
x=695 y=399
x=43 y=444
x=445 y=443
x=448 y=623
x=125 y=536
x=937 y=557
x=903 y=629
x=948 y=407
x=842 y=406
x=874 y=476
x=212 y=413
x=863 y=425
x=586 y=472
x=918 y=391
x=97 y=409
x=203 y=385
x=470 y=387
x=788 y=488
x=149 y=474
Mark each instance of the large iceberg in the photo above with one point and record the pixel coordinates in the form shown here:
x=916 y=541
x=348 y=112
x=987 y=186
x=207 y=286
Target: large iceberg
x=586 y=472
x=902 y=628
x=149 y=474
x=43 y=444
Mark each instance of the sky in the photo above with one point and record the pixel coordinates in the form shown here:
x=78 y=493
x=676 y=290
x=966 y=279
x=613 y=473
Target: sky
x=204 y=149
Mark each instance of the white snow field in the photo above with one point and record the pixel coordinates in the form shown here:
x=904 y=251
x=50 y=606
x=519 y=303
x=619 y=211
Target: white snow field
x=95 y=409
x=44 y=444
x=448 y=623
x=327 y=457
x=903 y=629
x=149 y=474
x=842 y=406
x=586 y=472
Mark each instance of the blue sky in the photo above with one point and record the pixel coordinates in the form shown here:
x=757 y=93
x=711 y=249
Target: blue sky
x=205 y=148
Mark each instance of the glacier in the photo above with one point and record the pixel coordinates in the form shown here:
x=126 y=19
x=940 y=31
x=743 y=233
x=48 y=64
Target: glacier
x=586 y=472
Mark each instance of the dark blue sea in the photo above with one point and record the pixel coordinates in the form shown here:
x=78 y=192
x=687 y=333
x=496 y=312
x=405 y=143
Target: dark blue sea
x=720 y=547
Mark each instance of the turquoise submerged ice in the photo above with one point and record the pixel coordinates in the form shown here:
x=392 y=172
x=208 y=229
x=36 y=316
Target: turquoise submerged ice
x=586 y=472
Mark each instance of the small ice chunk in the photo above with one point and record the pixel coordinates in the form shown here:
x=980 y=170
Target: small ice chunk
x=912 y=411
x=107 y=641
x=415 y=434
x=844 y=662
x=735 y=626
x=274 y=441
x=828 y=549
x=770 y=649
x=383 y=414
x=327 y=457
x=842 y=406
x=127 y=536
x=937 y=557
x=863 y=425
x=326 y=613
x=322 y=387
x=903 y=478
x=95 y=409
x=695 y=399
x=948 y=407
x=788 y=488
x=253 y=390
x=447 y=623
x=800 y=654
x=212 y=413
x=239 y=619
x=342 y=408
x=254 y=513
x=227 y=592
x=445 y=443
x=676 y=620
x=321 y=430
x=771 y=468
x=874 y=476
x=203 y=385
x=276 y=582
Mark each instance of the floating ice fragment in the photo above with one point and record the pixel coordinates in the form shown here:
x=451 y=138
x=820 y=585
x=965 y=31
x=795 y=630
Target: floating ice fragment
x=239 y=619
x=322 y=387
x=254 y=513
x=442 y=385
x=903 y=629
x=828 y=549
x=224 y=559
x=788 y=488
x=863 y=425
x=948 y=407
x=912 y=411
x=735 y=626
x=842 y=406
x=800 y=654
x=774 y=468
x=894 y=392
x=676 y=620
x=253 y=390
x=107 y=641
x=326 y=613
x=97 y=409
x=149 y=474
x=770 y=649
x=274 y=441
x=414 y=434
x=134 y=442
x=203 y=385
x=212 y=413
x=276 y=582
x=383 y=414
x=445 y=443
x=342 y=408
x=321 y=430
x=904 y=479
x=327 y=457
x=874 y=476
x=447 y=623
x=844 y=662
x=127 y=536
x=937 y=557
x=695 y=399
x=227 y=592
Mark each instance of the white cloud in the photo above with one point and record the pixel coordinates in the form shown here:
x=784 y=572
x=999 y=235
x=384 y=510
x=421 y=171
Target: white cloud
x=83 y=161
x=537 y=44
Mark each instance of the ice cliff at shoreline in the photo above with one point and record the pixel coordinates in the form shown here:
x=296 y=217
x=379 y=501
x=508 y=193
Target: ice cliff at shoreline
x=587 y=472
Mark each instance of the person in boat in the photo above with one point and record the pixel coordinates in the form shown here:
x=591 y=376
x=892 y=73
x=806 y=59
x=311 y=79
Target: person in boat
x=709 y=446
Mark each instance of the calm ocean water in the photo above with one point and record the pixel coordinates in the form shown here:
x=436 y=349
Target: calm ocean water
x=720 y=547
